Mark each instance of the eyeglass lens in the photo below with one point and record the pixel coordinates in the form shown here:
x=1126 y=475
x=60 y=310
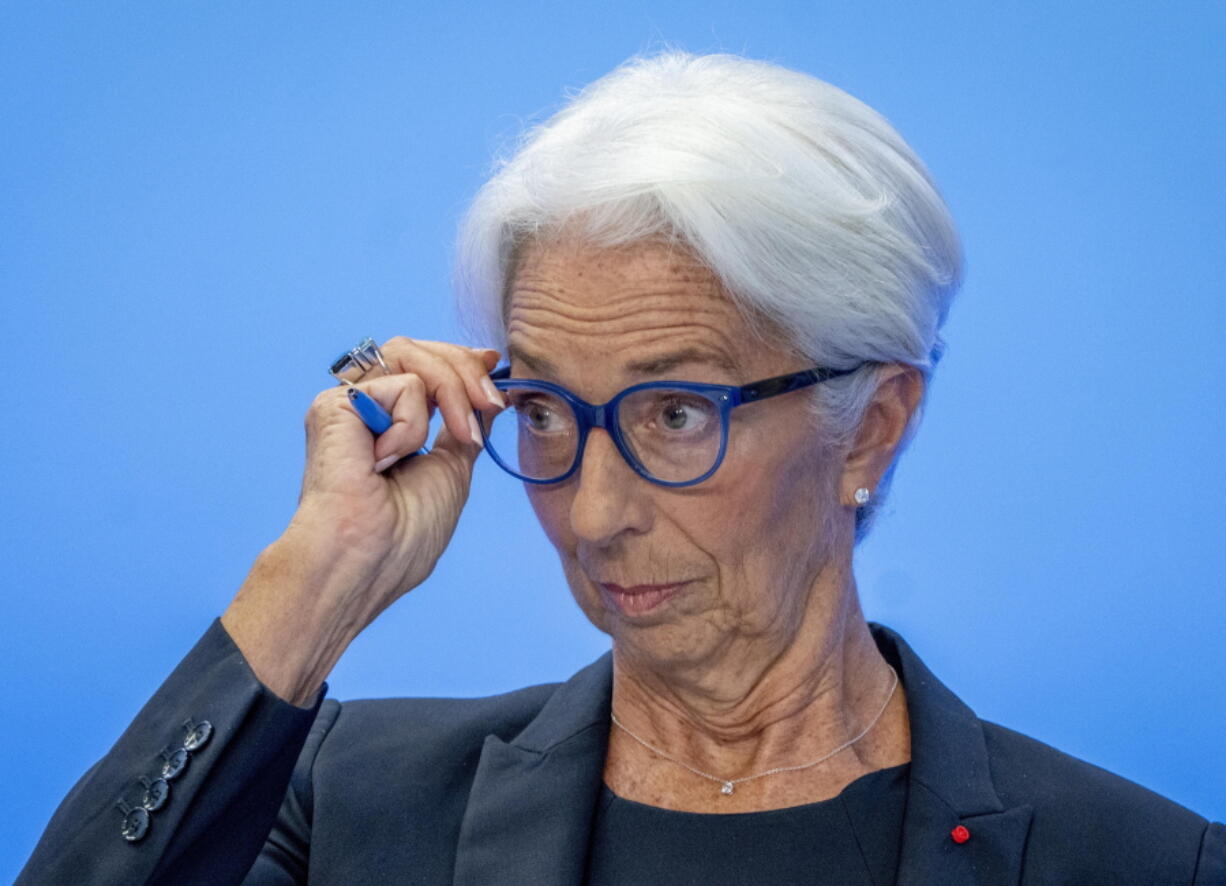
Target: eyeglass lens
x=674 y=434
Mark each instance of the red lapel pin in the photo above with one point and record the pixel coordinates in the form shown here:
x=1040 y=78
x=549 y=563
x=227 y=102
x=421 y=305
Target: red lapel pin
x=960 y=834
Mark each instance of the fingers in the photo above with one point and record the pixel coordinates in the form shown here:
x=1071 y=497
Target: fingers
x=456 y=378
x=429 y=375
x=410 y=417
x=471 y=365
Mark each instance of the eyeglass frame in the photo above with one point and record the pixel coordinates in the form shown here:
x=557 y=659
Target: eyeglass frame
x=604 y=415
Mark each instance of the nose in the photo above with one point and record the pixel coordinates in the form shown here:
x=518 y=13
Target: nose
x=610 y=498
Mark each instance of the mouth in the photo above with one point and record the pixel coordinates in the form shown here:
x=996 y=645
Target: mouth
x=638 y=599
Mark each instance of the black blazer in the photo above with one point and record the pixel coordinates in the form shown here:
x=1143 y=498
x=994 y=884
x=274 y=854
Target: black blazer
x=502 y=790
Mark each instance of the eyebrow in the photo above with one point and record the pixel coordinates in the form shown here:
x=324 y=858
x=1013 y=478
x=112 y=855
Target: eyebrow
x=665 y=362
x=648 y=366
x=538 y=365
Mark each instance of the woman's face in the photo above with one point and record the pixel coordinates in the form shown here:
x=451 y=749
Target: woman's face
x=674 y=575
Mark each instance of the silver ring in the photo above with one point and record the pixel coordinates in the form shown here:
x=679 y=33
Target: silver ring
x=350 y=366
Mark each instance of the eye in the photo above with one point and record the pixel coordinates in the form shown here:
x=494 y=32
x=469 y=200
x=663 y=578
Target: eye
x=675 y=416
x=537 y=415
x=540 y=414
x=678 y=413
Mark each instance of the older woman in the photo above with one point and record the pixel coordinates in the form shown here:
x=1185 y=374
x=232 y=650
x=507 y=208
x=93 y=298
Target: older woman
x=719 y=286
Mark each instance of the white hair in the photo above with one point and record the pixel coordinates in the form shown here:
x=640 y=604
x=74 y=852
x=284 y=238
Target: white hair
x=811 y=210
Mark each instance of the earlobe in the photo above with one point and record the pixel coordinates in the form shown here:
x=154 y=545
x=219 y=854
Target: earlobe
x=882 y=428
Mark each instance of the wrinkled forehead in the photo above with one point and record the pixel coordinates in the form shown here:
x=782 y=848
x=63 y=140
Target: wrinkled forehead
x=640 y=309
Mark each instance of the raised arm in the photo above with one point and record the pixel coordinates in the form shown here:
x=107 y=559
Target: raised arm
x=191 y=790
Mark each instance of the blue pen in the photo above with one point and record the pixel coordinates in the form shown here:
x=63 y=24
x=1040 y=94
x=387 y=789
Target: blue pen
x=372 y=414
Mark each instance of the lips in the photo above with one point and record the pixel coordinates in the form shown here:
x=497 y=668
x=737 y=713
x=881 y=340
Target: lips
x=639 y=599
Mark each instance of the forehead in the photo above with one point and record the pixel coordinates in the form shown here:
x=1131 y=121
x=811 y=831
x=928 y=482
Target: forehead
x=631 y=305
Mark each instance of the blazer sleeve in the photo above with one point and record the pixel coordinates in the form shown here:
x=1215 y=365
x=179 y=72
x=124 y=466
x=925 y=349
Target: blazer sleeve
x=1211 y=866
x=192 y=788
x=283 y=861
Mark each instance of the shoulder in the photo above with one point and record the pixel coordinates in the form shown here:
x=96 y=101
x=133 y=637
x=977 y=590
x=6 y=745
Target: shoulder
x=1083 y=823
x=1089 y=817
x=1025 y=770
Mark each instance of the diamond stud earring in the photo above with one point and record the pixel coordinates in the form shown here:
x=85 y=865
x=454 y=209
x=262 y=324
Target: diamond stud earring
x=862 y=496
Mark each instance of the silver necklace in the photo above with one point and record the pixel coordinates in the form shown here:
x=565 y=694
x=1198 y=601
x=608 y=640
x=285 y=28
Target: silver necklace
x=727 y=785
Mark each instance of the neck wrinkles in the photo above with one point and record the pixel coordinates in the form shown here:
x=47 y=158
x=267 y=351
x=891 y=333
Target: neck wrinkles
x=759 y=708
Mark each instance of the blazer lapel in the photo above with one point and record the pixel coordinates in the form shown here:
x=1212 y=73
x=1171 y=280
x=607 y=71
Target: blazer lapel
x=992 y=855
x=950 y=785
x=530 y=810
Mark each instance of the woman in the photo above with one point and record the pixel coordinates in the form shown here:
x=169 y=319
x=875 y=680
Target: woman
x=719 y=287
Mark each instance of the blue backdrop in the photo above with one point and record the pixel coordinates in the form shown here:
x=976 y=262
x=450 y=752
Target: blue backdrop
x=203 y=203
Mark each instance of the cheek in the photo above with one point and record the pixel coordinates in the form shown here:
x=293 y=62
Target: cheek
x=803 y=503
x=772 y=519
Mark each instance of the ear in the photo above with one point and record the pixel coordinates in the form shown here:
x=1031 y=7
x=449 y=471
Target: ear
x=900 y=388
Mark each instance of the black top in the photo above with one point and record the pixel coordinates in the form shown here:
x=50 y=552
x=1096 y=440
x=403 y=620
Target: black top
x=850 y=839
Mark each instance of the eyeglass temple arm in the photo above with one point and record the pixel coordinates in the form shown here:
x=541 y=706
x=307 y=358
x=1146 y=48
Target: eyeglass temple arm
x=771 y=387
x=783 y=384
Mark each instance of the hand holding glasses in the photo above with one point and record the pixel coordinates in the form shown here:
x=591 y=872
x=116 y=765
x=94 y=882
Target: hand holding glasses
x=672 y=433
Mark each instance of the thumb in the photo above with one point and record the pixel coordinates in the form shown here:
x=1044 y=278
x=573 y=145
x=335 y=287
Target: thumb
x=464 y=451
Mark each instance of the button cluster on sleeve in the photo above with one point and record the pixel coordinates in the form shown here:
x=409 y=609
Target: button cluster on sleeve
x=152 y=792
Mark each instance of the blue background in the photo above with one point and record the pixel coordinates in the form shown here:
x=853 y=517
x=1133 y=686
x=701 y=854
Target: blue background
x=203 y=203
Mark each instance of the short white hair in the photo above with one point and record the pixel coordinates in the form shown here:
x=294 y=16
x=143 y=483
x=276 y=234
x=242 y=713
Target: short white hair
x=807 y=205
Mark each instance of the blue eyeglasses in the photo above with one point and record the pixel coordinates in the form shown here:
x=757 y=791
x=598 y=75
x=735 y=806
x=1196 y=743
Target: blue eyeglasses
x=673 y=433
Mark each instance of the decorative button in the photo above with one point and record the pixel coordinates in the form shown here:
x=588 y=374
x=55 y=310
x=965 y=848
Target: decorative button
x=173 y=763
x=960 y=834
x=156 y=792
x=135 y=824
x=198 y=735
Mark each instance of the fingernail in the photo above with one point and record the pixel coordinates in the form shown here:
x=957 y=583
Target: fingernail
x=385 y=463
x=475 y=428
x=493 y=393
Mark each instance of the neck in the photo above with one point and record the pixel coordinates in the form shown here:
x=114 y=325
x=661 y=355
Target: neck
x=756 y=705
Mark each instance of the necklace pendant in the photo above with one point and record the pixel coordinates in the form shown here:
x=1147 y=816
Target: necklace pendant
x=727 y=788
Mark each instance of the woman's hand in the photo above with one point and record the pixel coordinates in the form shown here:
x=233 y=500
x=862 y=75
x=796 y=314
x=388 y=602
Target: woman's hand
x=371 y=522
x=368 y=497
